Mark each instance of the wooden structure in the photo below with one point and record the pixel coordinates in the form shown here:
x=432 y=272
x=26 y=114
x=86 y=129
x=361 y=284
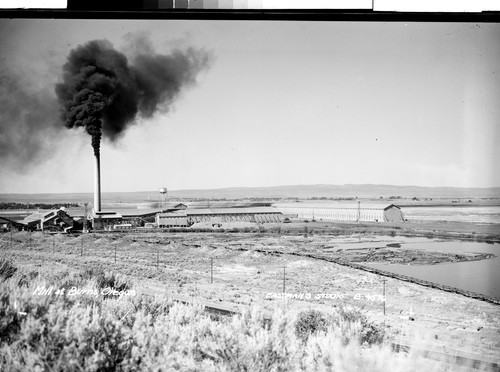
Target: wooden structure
x=221 y=215
x=357 y=212
x=172 y=219
x=105 y=220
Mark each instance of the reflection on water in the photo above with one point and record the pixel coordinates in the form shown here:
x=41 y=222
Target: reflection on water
x=477 y=276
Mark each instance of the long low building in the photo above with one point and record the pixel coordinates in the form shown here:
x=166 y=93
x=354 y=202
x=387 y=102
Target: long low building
x=259 y=215
x=362 y=212
x=8 y=223
x=189 y=217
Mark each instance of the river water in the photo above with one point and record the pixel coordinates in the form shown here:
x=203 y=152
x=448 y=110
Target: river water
x=482 y=277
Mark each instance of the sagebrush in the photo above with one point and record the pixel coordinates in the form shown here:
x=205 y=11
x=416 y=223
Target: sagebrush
x=97 y=333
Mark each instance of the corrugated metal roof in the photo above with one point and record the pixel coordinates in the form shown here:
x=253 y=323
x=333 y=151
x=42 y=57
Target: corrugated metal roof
x=213 y=211
x=126 y=212
x=106 y=215
x=226 y=204
x=137 y=212
x=335 y=205
x=4 y=219
x=173 y=214
x=77 y=213
x=37 y=216
x=158 y=204
x=391 y=206
x=131 y=212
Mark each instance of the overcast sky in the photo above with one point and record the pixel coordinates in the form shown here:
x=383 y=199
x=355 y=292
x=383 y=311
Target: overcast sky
x=282 y=103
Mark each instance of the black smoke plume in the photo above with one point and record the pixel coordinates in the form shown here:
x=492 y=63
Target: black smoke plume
x=105 y=92
x=28 y=122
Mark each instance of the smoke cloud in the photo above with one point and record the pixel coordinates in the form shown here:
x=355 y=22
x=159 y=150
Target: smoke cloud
x=28 y=122
x=105 y=92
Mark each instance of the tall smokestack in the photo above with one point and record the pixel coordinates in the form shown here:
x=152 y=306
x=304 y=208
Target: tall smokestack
x=105 y=93
x=97 y=182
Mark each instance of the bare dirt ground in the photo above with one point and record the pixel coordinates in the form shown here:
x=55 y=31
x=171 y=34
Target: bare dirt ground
x=247 y=271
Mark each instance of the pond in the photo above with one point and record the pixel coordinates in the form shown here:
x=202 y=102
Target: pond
x=482 y=277
x=482 y=214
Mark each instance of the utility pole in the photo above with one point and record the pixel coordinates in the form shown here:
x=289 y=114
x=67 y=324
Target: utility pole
x=85 y=216
x=211 y=269
x=115 y=253
x=383 y=293
x=284 y=278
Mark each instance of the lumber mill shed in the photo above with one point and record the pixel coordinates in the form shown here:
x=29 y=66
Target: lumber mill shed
x=355 y=212
x=8 y=223
x=56 y=220
x=257 y=214
x=188 y=217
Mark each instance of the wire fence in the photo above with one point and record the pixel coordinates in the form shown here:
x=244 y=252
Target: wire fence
x=213 y=264
x=193 y=263
x=229 y=260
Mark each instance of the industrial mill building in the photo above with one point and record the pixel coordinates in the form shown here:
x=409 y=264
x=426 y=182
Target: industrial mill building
x=189 y=217
x=355 y=212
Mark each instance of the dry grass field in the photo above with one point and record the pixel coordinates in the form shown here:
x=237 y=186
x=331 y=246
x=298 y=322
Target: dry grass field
x=242 y=269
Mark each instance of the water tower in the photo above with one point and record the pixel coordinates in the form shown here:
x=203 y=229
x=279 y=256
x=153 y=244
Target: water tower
x=163 y=192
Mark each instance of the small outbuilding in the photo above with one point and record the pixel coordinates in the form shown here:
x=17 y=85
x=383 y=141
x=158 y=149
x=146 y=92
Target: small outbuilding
x=393 y=213
x=172 y=219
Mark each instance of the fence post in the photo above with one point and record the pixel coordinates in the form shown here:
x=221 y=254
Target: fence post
x=115 y=253
x=211 y=269
x=383 y=293
x=81 y=250
x=157 y=259
x=284 y=278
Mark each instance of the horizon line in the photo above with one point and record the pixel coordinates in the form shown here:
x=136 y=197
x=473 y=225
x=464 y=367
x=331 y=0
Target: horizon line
x=261 y=187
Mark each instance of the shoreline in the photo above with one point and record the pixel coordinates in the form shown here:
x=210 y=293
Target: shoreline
x=463 y=231
x=409 y=279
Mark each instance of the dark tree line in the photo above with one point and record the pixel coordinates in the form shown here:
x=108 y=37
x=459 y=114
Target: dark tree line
x=14 y=205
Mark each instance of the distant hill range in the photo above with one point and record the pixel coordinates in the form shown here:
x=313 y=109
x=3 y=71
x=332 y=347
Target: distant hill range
x=341 y=191
x=275 y=192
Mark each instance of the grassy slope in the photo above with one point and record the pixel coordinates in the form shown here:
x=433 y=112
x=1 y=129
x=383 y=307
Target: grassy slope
x=246 y=277
x=91 y=333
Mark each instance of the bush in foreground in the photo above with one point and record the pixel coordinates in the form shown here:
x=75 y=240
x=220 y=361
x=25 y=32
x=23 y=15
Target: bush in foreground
x=309 y=323
x=139 y=333
x=7 y=269
x=352 y=326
